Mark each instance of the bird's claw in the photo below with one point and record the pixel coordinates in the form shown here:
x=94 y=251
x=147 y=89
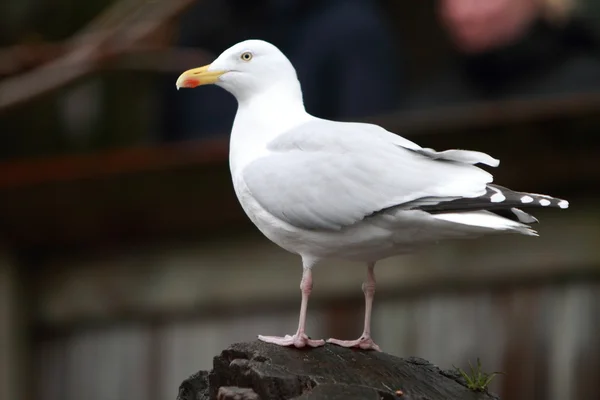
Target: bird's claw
x=364 y=343
x=297 y=341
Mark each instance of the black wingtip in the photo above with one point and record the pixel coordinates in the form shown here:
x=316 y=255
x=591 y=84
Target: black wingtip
x=498 y=198
x=523 y=199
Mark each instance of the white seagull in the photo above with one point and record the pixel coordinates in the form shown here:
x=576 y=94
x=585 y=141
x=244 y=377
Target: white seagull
x=325 y=189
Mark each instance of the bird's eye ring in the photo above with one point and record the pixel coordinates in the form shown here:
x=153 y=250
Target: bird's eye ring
x=246 y=56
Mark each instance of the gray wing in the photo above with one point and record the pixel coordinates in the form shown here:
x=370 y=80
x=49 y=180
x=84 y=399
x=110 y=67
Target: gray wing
x=328 y=175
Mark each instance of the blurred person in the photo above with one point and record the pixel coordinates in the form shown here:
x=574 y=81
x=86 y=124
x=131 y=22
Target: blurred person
x=342 y=50
x=512 y=49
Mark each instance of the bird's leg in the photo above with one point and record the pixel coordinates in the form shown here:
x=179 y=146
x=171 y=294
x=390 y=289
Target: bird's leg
x=299 y=339
x=364 y=342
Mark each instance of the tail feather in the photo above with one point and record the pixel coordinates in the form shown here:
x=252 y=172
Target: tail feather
x=516 y=214
x=487 y=221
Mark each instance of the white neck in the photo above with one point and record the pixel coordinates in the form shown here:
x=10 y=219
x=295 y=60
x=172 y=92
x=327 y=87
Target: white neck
x=260 y=119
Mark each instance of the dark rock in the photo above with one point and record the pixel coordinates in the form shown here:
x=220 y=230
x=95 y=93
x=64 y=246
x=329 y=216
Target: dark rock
x=329 y=372
x=197 y=383
x=236 y=393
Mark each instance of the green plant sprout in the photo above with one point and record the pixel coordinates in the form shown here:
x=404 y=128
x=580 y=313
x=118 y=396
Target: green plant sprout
x=477 y=380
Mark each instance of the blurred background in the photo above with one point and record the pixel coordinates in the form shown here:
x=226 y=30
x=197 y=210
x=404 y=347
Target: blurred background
x=126 y=263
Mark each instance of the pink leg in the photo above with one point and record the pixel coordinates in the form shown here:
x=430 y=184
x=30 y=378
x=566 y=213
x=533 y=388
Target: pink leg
x=364 y=342
x=299 y=339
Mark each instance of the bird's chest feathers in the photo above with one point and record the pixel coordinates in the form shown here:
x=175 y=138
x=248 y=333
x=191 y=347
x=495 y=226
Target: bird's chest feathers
x=273 y=228
x=252 y=132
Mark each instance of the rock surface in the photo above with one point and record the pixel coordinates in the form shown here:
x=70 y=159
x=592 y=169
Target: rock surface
x=257 y=370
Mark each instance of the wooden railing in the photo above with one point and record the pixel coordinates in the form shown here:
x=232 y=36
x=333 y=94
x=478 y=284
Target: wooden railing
x=544 y=145
x=124 y=29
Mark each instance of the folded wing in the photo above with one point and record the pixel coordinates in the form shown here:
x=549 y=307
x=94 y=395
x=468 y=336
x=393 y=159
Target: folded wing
x=328 y=175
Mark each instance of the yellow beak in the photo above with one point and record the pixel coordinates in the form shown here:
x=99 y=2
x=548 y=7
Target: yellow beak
x=198 y=76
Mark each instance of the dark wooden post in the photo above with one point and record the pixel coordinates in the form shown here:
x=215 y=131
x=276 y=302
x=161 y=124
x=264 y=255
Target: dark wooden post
x=257 y=370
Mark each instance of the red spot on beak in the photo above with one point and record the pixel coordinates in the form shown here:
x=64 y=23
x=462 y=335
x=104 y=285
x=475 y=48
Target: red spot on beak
x=190 y=83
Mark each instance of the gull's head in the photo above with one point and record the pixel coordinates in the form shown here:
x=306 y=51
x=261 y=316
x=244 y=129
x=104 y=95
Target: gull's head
x=245 y=69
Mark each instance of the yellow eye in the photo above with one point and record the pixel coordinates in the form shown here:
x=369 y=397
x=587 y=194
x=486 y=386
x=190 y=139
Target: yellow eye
x=247 y=56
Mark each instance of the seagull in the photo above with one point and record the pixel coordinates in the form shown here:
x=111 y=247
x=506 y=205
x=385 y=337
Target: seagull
x=325 y=189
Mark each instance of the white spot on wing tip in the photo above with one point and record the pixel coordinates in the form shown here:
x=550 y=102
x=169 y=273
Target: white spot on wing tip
x=544 y=202
x=563 y=204
x=526 y=199
x=497 y=198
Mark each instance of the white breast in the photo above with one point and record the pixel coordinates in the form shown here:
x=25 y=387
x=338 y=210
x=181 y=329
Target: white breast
x=366 y=241
x=276 y=230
